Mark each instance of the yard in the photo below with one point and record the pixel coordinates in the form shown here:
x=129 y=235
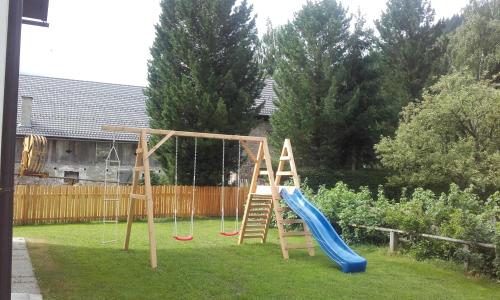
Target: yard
x=71 y=263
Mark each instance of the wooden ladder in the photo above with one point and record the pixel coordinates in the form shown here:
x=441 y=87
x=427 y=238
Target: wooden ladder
x=280 y=206
x=258 y=207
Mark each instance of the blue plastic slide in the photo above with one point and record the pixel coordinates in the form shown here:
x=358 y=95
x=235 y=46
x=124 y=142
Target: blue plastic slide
x=331 y=243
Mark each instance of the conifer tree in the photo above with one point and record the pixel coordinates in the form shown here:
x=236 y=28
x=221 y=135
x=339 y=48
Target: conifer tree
x=203 y=76
x=308 y=58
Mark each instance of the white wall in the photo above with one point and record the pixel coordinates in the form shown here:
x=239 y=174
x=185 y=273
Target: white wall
x=4 y=13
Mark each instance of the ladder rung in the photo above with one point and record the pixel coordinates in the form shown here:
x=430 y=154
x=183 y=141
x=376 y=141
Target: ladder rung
x=292 y=221
x=255 y=227
x=295 y=233
x=285 y=158
x=256 y=222
x=138 y=196
x=299 y=246
x=138 y=150
x=261 y=200
x=263 y=173
x=284 y=173
x=112 y=161
x=259 y=210
x=112 y=221
x=260 y=205
x=258 y=216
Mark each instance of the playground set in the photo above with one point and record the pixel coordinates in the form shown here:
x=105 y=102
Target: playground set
x=261 y=201
x=266 y=195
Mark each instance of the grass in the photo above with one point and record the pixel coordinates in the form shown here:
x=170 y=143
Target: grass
x=70 y=263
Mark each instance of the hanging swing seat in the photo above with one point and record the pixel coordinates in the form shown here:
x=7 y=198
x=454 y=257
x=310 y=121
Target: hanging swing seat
x=183 y=238
x=231 y=233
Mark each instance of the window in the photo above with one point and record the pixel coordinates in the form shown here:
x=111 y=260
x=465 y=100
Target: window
x=71 y=177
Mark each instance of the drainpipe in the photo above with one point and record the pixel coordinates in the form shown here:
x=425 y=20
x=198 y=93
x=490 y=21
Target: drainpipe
x=8 y=135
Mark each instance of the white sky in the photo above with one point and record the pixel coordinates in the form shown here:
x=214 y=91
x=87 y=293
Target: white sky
x=109 y=40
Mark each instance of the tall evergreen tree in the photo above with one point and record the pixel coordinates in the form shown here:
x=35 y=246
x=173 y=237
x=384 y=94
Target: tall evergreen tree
x=203 y=76
x=408 y=44
x=360 y=112
x=268 y=50
x=309 y=55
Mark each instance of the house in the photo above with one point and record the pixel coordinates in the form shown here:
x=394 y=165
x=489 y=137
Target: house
x=70 y=114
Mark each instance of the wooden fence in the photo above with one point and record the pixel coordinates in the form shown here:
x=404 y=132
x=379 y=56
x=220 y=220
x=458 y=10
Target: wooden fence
x=52 y=204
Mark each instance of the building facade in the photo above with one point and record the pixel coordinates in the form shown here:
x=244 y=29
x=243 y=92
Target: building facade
x=71 y=113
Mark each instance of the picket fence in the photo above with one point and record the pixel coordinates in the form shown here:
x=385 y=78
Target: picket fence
x=62 y=204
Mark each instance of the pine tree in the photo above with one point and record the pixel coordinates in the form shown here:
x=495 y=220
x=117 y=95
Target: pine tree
x=203 y=76
x=309 y=55
x=408 y=42
x=360 y=114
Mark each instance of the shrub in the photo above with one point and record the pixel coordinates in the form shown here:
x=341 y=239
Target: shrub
x=457 y=214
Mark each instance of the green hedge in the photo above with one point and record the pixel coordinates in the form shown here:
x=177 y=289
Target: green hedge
x=370 y=178
x=458 y=214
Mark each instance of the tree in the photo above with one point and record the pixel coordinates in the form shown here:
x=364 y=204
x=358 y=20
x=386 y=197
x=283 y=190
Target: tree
x=309 y=55
x=476 y=43
x=360 y=113
x=453 y=135
x=203 y=76
x=268 y=50
x=408 y=43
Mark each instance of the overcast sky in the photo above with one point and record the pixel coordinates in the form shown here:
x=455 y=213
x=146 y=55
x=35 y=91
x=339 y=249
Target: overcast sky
x=109 y=40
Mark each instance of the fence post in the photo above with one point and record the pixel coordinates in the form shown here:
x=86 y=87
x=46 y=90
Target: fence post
x=393 y=241
x=466 y=249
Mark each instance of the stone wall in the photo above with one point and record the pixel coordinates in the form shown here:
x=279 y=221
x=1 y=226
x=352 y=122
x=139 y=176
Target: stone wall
x=84 y=159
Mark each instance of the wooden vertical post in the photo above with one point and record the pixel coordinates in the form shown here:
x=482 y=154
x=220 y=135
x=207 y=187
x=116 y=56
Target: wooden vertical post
x=134 y=190
x=466 y=249
x=275 y=202
x=149 y=202
x=393 y=241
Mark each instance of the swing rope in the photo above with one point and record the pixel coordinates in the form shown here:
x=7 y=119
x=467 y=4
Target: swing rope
x=191 y=231
x=222 y=229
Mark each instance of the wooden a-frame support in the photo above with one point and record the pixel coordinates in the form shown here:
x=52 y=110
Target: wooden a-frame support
x=261 y=203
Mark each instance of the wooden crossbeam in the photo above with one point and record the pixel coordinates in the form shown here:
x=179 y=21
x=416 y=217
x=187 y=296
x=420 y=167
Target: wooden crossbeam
x=205 y=135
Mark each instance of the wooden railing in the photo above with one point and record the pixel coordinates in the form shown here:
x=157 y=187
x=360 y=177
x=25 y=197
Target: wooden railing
x=52 y=204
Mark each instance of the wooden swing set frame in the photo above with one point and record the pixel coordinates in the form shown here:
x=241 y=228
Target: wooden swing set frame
x=143 y=153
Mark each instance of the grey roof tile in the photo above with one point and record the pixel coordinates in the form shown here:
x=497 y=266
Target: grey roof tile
x=77 y=109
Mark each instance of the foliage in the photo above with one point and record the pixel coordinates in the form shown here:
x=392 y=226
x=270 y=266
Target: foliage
x=408 y=42
x=452 y=136
x=203 y=76
x=359 y=113
x=309 y=53
x=333 y=76
x=268 y=50
x=475 y=45
x=459 y=214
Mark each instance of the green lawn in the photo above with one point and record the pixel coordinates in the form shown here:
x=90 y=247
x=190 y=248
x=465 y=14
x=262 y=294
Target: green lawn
x=70 y=263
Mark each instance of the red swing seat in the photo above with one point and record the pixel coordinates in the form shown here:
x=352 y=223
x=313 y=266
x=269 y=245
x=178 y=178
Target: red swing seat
x=183 y=238
x=232 y=233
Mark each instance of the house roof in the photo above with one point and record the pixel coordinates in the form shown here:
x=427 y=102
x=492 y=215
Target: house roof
x=77 y=109
x=267 y=96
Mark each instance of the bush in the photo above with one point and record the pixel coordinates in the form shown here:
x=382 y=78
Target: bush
x=457 y=214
